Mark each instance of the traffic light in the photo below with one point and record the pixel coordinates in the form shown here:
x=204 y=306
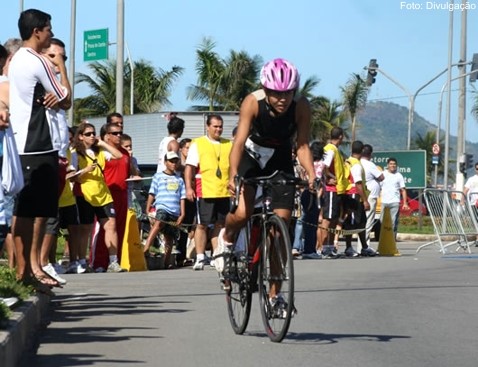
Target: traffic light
x=474 y=66
x=372 y=72
x=469 y=161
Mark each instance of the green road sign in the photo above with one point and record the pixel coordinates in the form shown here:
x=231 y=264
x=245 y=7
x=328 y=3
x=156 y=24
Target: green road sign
x=95 y=45
x=411 y=164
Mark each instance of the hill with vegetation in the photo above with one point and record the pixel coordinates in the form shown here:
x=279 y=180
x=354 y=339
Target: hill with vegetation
x=384 y=125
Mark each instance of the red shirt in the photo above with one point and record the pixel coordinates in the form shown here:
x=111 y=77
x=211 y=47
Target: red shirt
x=117 y=171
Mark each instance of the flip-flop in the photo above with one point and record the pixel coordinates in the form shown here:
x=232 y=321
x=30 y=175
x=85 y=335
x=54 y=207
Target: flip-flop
x=45 y=279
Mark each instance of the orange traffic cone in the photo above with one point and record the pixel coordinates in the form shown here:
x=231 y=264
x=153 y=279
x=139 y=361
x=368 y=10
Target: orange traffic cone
x=386 y=244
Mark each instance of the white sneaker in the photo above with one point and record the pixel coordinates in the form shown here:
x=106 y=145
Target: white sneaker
x=50 y=270
x=114 y=267
x=199 y=265
x=222 y=250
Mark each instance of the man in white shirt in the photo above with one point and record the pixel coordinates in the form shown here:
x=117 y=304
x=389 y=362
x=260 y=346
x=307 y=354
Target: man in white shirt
x=170 y=143
x=373 y=177
x=471 y=193
x=34 y=89
x=393 y=185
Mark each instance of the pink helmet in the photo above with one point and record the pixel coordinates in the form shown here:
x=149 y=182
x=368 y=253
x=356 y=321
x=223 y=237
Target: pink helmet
x=279 y=75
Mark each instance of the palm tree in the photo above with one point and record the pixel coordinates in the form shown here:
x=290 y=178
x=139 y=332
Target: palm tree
x=152 y=88
x=240 y=79
x=325 y=115
x=210 y=69
x=354 y=96
x=223 y=83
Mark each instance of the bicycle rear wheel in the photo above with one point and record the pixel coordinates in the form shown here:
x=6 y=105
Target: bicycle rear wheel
x=239 y=296
x=276 y=276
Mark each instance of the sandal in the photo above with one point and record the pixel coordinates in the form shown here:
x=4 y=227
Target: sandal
x=45 y=279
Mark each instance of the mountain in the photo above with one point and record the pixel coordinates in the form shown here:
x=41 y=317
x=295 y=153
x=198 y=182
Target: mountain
x=384 y=125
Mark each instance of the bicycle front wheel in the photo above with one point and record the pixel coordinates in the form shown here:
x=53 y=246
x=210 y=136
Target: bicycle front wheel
x=276 y=279
x=239 y=296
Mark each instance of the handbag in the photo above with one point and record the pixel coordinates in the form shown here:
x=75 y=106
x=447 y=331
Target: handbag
x=12 y=173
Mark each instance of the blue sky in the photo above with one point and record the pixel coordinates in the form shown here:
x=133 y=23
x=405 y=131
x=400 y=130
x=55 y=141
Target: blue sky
x=328 y=39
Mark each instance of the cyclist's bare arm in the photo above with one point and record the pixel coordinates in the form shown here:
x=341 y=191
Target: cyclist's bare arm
x=249 y=110
x=303 y=117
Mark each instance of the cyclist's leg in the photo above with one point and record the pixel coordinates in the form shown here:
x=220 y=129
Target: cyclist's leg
x=235 y=221
x=276 y=266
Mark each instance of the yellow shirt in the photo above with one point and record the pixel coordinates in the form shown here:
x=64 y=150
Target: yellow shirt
x=93 y=185
x=67 y=198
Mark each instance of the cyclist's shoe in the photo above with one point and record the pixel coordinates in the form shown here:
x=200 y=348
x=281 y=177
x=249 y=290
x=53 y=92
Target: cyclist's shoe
x=223 y=249
x=279 y=307
x=368 y=252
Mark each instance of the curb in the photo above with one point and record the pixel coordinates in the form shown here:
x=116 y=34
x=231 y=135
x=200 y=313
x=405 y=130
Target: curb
x=19 y=335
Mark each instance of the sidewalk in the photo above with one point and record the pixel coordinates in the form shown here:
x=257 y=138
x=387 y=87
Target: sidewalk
x=20 y=333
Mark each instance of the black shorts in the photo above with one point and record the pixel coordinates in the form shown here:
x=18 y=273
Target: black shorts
x=356 y=217
x=282 y=196
x=39 y=197
x=332 y=205
x=168 y=230
x=87 y=212
x=211 y=211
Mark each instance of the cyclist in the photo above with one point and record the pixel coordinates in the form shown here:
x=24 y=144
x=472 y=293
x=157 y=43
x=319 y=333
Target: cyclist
x=269 y=118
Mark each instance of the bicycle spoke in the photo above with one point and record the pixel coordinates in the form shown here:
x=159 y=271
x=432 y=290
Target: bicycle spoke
x=276 y=278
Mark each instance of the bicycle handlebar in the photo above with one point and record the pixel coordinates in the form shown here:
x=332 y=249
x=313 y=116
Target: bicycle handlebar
x=264 y=181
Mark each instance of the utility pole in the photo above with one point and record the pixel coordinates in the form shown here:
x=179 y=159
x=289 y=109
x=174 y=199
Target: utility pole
x=448 y=105
x=119 y=56
x=460 y=146
x=72 y=61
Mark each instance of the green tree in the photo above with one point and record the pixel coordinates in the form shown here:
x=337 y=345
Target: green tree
x=354 y=96
x=152 y=88
x=325 y=115
x=223 y=83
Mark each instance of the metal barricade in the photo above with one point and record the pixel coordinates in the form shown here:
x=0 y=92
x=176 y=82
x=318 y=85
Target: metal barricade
x=452 y=217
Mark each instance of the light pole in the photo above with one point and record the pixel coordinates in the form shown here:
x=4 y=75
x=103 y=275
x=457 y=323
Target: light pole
x=72 y=60
x=131 y=94
x=447 y=132
x=411 y=98
x=120 y=56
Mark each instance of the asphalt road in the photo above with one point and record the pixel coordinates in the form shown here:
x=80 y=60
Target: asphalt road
x=412 y=310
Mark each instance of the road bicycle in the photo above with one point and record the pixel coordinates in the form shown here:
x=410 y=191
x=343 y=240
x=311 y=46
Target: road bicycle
x=261 y=260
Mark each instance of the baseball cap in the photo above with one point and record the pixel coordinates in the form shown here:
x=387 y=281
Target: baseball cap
x=171 y=155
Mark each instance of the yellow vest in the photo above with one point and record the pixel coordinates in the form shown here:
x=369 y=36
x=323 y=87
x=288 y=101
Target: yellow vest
x=212 y=159
x=338 y=169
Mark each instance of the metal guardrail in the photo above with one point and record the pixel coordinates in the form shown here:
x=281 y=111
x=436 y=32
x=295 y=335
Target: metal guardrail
x=454 y=219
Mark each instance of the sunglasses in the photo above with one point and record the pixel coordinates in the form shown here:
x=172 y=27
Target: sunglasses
x=88 y=134
x=116 y=133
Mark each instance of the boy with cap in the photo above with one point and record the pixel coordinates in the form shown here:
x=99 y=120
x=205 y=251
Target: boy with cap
x=166 y=197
